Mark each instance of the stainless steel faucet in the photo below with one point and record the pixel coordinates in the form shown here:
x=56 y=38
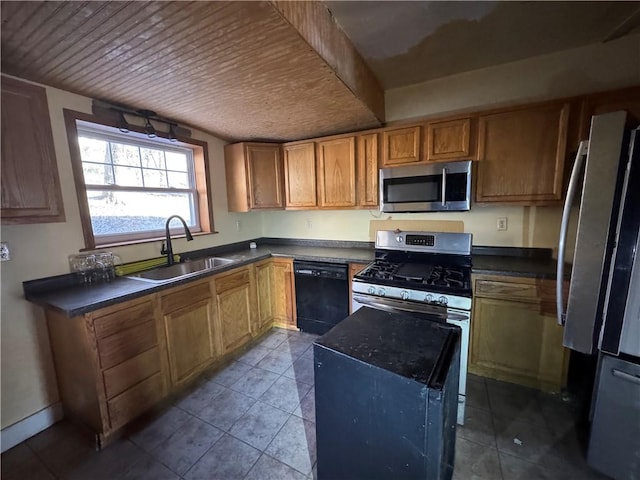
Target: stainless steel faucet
x=168 y=251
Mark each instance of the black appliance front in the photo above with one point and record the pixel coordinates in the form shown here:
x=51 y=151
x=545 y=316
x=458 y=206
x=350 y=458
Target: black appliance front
x=322 y=295
x=386 y=387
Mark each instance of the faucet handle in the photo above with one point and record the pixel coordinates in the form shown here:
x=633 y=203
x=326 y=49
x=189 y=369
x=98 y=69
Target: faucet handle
x=163 y=250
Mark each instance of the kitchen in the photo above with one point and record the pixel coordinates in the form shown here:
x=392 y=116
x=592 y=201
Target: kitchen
x=28 y=377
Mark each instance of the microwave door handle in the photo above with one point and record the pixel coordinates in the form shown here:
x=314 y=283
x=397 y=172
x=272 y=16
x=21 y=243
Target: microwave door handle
x=444 y=186
x=564 y=224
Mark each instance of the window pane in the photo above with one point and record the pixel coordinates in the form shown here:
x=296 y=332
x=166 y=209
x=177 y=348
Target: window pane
x=152 y=158
x=155 y=178
x=97 y=173
x=92 y=150
x=176 y=161
x=127 y=212
x=178 y=180
x=128 y=177
x=125 y=154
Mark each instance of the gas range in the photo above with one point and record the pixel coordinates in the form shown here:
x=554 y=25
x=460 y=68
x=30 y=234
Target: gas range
x=409 y=267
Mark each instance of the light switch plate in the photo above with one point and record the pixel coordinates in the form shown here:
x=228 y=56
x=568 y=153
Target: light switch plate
x=4 y=252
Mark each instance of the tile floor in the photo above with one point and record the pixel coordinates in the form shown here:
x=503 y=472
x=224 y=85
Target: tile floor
x=254 y=420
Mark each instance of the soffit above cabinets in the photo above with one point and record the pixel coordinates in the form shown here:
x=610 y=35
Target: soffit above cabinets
x=239 y=70
x=408 y=42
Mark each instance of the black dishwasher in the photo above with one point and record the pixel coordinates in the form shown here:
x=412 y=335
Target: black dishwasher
x=322 y=295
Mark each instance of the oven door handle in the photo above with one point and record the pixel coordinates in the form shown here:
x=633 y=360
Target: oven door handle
x=390 y=305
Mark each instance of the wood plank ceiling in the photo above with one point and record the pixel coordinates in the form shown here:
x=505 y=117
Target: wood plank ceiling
x=239 y=70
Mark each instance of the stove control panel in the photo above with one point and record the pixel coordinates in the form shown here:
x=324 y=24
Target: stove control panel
x=425 y=240
x=452 y=301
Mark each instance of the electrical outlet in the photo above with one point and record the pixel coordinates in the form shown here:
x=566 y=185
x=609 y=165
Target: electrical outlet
x=238 y=226
x=4 y=252
x=309 y=224
x=501 y=224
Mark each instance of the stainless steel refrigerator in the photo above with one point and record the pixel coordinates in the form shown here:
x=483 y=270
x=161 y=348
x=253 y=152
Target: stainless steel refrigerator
x=603 y=307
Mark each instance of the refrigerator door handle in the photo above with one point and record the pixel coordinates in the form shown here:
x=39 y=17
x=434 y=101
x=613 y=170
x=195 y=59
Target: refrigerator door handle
x=625 y=376
x=566 y=211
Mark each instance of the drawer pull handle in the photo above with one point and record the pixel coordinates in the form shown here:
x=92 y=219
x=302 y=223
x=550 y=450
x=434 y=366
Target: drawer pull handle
x=625 y=376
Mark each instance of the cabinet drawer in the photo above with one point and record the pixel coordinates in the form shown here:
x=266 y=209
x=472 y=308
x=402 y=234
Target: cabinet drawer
x=126 y=344
x=123 y=319
x=185 y=297
x=135 y=400
x=232 y=280
x=495 y=289
x=119 y=378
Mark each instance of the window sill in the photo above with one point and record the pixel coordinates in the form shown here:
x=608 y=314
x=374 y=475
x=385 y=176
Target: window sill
x=142 y=241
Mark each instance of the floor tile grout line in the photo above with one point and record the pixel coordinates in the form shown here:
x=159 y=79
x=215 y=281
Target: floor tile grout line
x=41 y=460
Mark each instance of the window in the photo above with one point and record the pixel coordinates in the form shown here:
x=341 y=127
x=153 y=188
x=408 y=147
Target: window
x=131 y=184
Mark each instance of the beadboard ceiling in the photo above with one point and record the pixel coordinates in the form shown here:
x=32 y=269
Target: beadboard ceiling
x=278 y=70
x=240 y=70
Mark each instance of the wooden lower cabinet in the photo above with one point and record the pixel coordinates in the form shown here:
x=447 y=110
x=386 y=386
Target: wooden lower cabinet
x=276 y=293
x=514 y=334
x=109 y=363
x=236 y=306
x=283 y=293
x=187 y=315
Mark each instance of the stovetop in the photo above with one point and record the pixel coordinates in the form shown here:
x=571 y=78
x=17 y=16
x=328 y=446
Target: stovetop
x=438 y=278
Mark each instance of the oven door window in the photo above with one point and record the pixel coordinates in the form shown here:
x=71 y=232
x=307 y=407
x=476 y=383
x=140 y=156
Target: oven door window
x=425 y=189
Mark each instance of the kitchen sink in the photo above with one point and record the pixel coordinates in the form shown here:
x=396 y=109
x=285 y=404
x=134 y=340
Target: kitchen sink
x=181 y=270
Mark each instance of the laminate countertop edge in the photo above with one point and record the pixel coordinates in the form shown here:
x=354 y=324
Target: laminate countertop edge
x=78 y=300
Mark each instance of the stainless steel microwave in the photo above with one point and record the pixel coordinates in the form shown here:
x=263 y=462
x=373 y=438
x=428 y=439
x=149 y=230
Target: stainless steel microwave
x=426 y=188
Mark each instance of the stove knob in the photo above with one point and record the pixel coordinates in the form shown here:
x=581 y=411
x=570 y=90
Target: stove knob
x=381 y=292
x=404 y=295
x=443 y=300
x=371 y=290
x=399 y=239
x=429 y=297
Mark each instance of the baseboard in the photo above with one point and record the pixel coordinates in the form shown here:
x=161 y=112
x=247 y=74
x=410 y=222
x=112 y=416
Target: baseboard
x=28 y=427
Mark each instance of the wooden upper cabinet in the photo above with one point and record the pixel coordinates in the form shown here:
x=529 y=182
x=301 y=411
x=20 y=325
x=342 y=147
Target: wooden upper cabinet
x=254 y=176
x=300 y=175
x=336 y=172
x=626 y=99
x=449 y=140
x=401 y=146
x=30 y=184
x=521 y=155
x=367 y=171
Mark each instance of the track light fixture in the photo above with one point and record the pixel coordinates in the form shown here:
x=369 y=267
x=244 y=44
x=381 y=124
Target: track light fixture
x=147 y=116
x=123 y=126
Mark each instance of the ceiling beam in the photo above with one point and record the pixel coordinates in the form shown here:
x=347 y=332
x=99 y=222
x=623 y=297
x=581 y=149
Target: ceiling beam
x=316 y=25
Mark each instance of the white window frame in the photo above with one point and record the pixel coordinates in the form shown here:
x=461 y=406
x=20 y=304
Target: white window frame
x=79 y=124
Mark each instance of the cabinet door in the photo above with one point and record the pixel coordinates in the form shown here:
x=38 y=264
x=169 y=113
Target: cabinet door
x=522 y=155
x=448 y=140
x=336 y=172
x=367 y=170
x=265 y=293
x=401 y=145
x=29 y=181
x=300 y=176
x=235 y=304
x=284 y=311
x=265 y=176
x=514 y=333
x=188 y=324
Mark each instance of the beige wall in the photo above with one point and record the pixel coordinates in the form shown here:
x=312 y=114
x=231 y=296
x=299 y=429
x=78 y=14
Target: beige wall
x=40 y=250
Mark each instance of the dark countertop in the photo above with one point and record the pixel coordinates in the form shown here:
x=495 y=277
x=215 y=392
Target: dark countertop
x=71 y=299
x=397 y=342
x=63 y=294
